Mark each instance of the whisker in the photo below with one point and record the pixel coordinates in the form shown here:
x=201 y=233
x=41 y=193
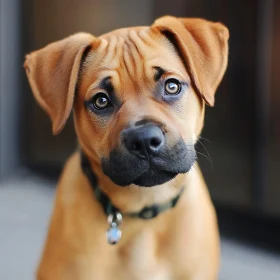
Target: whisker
x=203 y=155
x=210 y=159
x=205 y=139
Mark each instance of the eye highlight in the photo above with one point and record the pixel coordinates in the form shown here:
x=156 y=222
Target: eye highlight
x=100 y=101
x=172 y=87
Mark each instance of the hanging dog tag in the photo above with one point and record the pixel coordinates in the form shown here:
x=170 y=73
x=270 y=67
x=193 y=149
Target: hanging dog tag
x=114 y=234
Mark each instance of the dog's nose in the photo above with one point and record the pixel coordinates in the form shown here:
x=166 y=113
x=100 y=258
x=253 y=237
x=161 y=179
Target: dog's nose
x=144 y=140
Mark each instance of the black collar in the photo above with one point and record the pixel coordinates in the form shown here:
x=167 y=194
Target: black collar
x=146 y=213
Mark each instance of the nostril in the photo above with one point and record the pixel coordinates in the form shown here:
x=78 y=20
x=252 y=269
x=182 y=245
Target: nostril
x=155 y=142
x=136 y=146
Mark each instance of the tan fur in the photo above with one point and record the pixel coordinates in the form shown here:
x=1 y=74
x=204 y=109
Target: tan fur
x=180 y=244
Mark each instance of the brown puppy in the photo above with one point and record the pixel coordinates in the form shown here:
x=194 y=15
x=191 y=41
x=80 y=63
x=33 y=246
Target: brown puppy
x=138 y=97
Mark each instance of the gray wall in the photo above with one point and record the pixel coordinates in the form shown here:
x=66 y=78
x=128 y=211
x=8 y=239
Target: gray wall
x=10 y=66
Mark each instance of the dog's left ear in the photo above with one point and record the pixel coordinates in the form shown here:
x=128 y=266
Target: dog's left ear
x=203 y=46
x=53 y=73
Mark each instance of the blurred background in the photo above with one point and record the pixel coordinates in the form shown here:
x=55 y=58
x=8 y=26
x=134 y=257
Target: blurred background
x=241 y=139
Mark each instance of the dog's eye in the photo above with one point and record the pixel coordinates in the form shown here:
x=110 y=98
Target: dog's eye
x=100 y=101
x=172 y=87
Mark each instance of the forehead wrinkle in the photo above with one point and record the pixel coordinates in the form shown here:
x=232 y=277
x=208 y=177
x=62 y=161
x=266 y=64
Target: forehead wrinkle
x=138 y=41
x=139 y=52
x=100 y=59
x=149 y=48
x=145 y=39
x=129 y=61
x=103 y=50
x=142 y=48
x=111 y=50
x=134 y=40
x=119 y=49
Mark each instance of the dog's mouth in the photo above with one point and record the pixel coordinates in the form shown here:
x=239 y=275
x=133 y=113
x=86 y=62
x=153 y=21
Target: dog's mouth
x=149 y=178
x=154 y=177
x=124 y=169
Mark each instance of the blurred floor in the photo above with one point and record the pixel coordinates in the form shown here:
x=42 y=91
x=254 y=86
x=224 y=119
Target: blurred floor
x=25 y=207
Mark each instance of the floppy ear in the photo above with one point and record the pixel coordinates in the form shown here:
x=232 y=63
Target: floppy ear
x=53 y=73
x=203 y=46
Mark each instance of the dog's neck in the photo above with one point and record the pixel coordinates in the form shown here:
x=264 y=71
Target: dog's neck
x=133 y=198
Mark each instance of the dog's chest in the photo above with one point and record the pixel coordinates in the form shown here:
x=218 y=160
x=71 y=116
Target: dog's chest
x=143 y=272
x=141 y=267
x=138 y=259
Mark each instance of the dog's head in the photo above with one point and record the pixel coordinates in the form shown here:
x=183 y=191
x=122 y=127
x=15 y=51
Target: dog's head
x=138 y=94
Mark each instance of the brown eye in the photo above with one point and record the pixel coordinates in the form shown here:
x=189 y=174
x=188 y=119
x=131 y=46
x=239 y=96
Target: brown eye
x=172 y=87
x=100 y=101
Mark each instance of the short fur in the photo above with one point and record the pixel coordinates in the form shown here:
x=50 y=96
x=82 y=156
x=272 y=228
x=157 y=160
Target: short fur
x=182 y=243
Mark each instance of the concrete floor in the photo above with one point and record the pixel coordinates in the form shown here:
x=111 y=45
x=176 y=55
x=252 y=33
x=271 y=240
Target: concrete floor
x=25 y=207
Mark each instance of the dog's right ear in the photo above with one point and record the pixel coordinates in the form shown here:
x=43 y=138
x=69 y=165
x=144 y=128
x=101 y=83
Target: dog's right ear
x=53 y=73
